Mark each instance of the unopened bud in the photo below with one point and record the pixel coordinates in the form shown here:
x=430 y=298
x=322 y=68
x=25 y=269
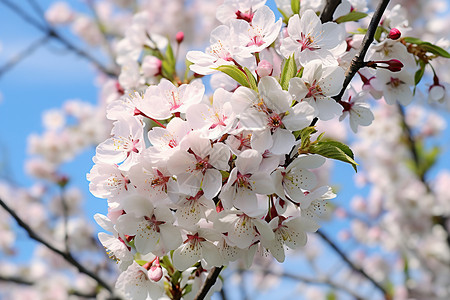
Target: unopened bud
x=264 y=68
x=155 y=272
x=394 y=34
x=179 y=37
x=394 y=65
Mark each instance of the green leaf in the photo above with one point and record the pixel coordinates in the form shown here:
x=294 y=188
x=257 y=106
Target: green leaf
x=359 y=31
x=251 y=79
x=176 y=277
x=436 y=50
x=153 y=52
x=352 y=16
x=419 y=73
x=331 y=296
x=334 y=150
x=378 y=32
x=235 y=73
x=187 y=289
x=413 y=40
x=285 y=17
x=305 y=137
x=168 y=63
x=289 y=71
x=141 y=262
x=295 y=6
x=165 y=262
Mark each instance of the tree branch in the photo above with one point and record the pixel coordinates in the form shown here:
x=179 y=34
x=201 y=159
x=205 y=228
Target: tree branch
x=209 y=282
x=358 y=61
x=352 y=265
x=328 y=11
x=23 y=54
x=67 y=256
x=51 y=32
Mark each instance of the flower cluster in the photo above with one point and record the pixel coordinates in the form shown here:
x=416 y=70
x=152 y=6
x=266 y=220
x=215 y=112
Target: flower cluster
x=196 y=181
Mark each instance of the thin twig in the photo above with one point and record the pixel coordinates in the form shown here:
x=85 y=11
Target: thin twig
x=209 y=282
x=67 y=256
x=17 y=280
x=51 y=32
x=358 y=61
x=352 y=265
x=23 y=54
x=39 y=11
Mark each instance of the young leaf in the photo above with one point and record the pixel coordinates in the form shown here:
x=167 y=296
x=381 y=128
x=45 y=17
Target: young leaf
x=352 y=16
x=413 y=40
x=235 y=73
x=419 y=73
x=436 y=50
x=295 y=6
x=334 y=150
x=289 y=71
x=305 y=137
x=251 y=79
x=168 y=63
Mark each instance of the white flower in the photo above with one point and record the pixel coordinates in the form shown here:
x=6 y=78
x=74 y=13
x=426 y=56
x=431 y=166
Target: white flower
x=238 y=9
x=357 y=109
x=309 y=39
x=317 y=85
x=246 y=188
x=313 y=204
x=125 y=145
x=290 y=232
x=225 y=48
x=152 y=226
x=197 y=165
x=291 y=181
x=213 y=120
x=395 y=86
x=262 y=31
x=166 y=99
x=241 y=229
x=135 y=284
x=115 y=246
x=198 y=246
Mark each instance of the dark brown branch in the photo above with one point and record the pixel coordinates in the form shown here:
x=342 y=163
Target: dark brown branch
x=51 y=32
x=352 y=265
x=358 y=61
x=209 y=282
x=16 y=280
x=328 y=11
x=67 y=256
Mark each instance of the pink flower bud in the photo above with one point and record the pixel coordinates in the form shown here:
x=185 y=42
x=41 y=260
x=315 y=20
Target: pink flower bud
x=394 y=34
x=155 y=272
x=179 y=37
x=264 y=68
x=394 y=65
